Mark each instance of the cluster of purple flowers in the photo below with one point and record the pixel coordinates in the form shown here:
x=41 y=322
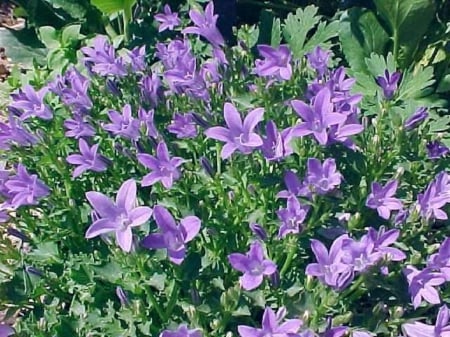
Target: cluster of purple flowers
x=337 y=267
x=435 y=196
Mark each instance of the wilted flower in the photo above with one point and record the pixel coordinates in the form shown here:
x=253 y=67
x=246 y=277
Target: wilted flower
x=382 y=198
x=168 y=20
x=273 y=325
x=172 y=236
x=415 y=119
x=164 y=168
x=88 y=159
x=254 y=266
x=259 y=231
x=119 y=216
x=182 y=331
x=389 y=83
x=276 y=62
x=239 y=135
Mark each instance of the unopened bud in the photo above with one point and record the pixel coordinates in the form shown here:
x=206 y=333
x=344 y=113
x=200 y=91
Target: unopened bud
x=275 y=279
x=259 y=231
x=206 y=165
x=17 y=234
x=123 y=298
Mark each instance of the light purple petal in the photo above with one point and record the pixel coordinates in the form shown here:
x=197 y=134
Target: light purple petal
x=191 y=226
x=101 y=226
x=126 y=196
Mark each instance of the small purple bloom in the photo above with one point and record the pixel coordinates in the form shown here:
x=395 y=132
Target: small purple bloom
x=136 y=58
x=15 y=132
x=276 y=144
x=239 y=135
x=293 y=184
x=276 y=62
x=183 y=126
x=422 y=285
x=441 y=260
x=292 y=217
x=206 y=165
x=382 y=198
x=123 y=124
x=75 y=92
x=78 y=127
x=436 y=195
x=6 y=330
x=88 y=160
x=389 y=83
x=147 y=119
x=119 y=216
x=322 y=178
x=168 y=20
x=31 y=103
x=172 y=236
x=318 y=60
x=415 y=119
x=273 y=325
x=182 y=331
x=164 y=168
x=318 y=117
x=401 y=217
x=382 y=239
x=205 y=25
x=436 y=150
x=151 y=89
x=440 y=329
x=259 y=231
x=253 y=265
x=25 y=189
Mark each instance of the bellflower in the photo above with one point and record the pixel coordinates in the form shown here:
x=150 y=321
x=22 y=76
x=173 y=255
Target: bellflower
x=276 y=144
x=174 y=54
x=441 y=260
x=239 y=135
x=436 y=195
x=415 y=119
x=182 y=331
x=382 y=240
x=164 y=168
x=440 y=329
x=276 y=62
x=123 y=124
x=422 y=285
x=168 y=20
x=75 y=93
x=31 y=103
x=14 y=132
x=88 y=160
x=147 y=119
x=205 y=25
x=254 y=266
x=293 y=184
x=382 y=198
x=258 y=231
x=318 y=60
x=78 y=127
x=136 y=59
x=360 y=254
x=273 y=325
x=292 y=217
x=151 y=89
x=322 y=178
x=436 y=150
x=389 y=83
x=183 y=126
x=330 y=268
x=119 y=216
x=317 y=118
x=103 y=59
x=172 y=236
x=25 y=189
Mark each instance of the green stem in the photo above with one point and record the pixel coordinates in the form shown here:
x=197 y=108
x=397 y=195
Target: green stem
x=290 y=256
x=155 y=305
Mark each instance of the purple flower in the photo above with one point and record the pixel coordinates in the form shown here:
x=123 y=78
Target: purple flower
x=183 y=126
x=293 y=184
x=172 y=236
x=330 y=268
x=78 y=127
x=382 y=198
x=123 y=298
x=136 y=58
x=415 y=119
x=441 y=260
x=175 y=53
x=25 y=189
x=15 y=132
x=182 y=331
x=103 y=59
x=147 y=119
x=440 y=329
x=276 y=62
x=119 y=216
x=273 y=325
x=205 y=25
x=151 y=89
x=436 y=195
x=292 y=217
x=318 y=60
x=389 y=83
x=164 y=168
x=6 y=330
x=422 y=285
x=75 y=92
x=436 y=150
x=361 y=255
x=168 y=20
x=322 y=178
x=317 y=118
x=89 y=159
x=239 y=135
x=31 y=103
x=253 y=265
x=382 y=240
x=276 y=144
x=206 y=165
x=123 y=124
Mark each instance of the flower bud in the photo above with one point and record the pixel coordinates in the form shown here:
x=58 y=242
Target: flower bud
x=275 y=279
x=123 y=298
x=113 y=88
x=17 y=234
x=259 y=231
x=206 y=165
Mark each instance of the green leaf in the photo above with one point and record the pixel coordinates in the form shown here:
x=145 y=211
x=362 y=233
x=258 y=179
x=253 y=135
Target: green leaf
x=70 y=34
x=415 y=83
x=49 y=36
x=46 y=252
x=110 y=7
x=408 y=21
x=74 y=8
x=324 y=32
x=275 y=37
x=361 y=34
x=158 y=281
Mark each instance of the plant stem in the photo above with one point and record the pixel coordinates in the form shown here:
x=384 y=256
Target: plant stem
x=287 y=263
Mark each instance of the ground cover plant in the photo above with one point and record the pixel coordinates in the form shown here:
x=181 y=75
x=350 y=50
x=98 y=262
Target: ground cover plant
x=193 y=189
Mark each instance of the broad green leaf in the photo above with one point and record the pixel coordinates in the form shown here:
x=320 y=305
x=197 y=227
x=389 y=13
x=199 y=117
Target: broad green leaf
x=266 y=21
x=415 y=83
x=408 y=21
x=49 y=36
x=361 y=34
x=70 y=34
x=324 y=33
x=110 y=7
